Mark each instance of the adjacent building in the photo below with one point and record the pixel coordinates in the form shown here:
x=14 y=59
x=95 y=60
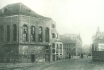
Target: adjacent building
x=26 y=36
x=72 y=44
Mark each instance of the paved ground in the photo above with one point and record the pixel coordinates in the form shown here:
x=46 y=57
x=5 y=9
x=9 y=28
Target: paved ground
x=75 y=63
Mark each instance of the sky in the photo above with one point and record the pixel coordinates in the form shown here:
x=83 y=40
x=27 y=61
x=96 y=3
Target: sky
x=71 y=16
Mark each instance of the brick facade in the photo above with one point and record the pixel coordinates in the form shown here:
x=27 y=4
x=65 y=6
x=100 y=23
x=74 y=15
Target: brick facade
x=26 y=35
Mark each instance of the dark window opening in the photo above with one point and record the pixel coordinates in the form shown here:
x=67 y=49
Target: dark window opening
x=25 y=33
x=33 y=34
x=53 y=51
x=8 y=33
x=47 y=47
x=47 y=34
x=40 y=34
x=60 y=46
x=2 y=33
x=53 y=45
x=14 y=32
x=53 y=35
x=53 y=26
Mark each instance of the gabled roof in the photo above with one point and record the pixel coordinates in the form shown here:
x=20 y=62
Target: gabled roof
x=18 y=8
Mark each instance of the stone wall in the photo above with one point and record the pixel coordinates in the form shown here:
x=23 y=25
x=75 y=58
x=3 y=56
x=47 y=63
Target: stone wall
x=26 y=52
x=33 y=21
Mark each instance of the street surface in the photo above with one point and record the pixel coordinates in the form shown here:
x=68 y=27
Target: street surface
x=75 y=63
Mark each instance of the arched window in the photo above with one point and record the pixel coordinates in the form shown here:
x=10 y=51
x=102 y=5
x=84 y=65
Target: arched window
x=53 y=35
x=8 y=33
x=40 y=34
x=32 y=33
x=47 y=35
x=25 y=33
x=2 y=33
x=14 y=32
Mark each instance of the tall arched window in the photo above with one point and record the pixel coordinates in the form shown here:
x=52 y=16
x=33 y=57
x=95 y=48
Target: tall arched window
x=2 y=33
x=40 y=34
x=8 y=32
x=33 y=34
x=47 y=34
x=25 y=33
x=14 y=32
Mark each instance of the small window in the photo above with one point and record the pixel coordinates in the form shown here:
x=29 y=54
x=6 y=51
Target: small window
x=53 y=45
x=57 y=36
x=47 y=47
x=53 y=51
x=53 y=35
x=47 y=51
x=53 y=26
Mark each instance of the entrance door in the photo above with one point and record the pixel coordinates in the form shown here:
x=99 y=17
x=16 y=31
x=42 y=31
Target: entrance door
x=32 y=58
x=46 y=57
x=53 y=57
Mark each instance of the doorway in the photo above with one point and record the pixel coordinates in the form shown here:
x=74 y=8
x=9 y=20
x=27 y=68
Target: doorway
x=32 y=58
x=46 y=57
x=53 y=57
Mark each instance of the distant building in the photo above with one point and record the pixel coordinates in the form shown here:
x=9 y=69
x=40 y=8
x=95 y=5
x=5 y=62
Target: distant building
x=98 y=37
x=26 y=36
x=98 y=46
x=72 y=44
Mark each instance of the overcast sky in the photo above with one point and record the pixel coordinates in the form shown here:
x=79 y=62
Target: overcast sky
x=71 y=16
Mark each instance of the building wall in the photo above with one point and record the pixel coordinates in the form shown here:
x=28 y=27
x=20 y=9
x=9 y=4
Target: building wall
x=71 y=43
x=32 y=53
x=69 y=48
x=32 y=21
x=8 y=20
x=21 y=20
x=57 y=51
